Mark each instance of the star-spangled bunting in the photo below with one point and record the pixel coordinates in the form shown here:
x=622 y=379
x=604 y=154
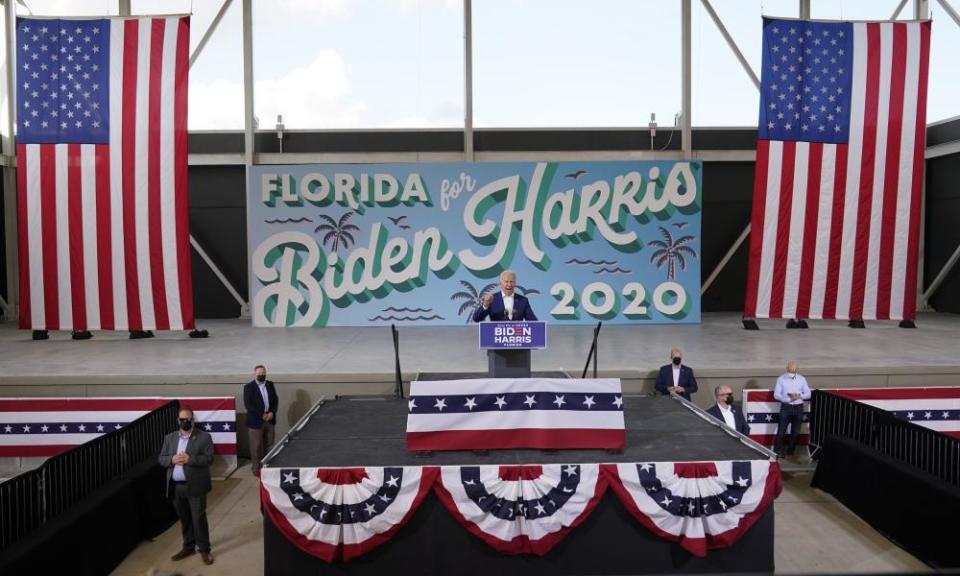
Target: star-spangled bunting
x=49 y=426
x=515 y=413
x=343 y=513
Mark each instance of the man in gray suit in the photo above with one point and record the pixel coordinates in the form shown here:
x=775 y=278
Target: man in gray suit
x=187 y=455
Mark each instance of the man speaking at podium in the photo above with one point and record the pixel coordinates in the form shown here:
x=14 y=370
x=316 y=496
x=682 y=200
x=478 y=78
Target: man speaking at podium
x=505 y=304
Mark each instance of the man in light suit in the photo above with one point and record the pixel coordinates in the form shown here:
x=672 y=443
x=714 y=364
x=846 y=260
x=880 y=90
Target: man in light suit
x=261 y=402
x=505 y=304
x=726 y=412
x=187 y=455
x=676 y=377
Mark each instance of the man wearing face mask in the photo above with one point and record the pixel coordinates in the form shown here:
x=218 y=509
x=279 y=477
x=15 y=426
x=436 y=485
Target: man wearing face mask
x=676 y=377
x=187 y=455
x=791 y=391
x=260 y=400
x=726 y=412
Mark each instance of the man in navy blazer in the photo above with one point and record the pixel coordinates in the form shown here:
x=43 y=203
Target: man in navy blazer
x=676 y=377
x=726 y=412
x=505 y=304
x=261 y=402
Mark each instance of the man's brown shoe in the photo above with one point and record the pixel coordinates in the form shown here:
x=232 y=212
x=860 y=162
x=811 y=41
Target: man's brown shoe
x=183 y=554
x=207 y=557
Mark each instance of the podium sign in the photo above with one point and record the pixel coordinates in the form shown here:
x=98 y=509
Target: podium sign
x=513 y=335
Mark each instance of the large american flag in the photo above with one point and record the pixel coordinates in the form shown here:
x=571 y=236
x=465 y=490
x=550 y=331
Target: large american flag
x=102 y=174
x=839 y=173
x=499 y=413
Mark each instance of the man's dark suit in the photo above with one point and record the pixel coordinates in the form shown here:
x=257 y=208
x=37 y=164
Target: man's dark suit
x=259 y=432
x=497 y=313
x=253 y=403
x=686 y=380
x=741 y=422
x=190 y=498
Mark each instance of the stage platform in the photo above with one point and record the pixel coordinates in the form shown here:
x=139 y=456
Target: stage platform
x=357 y=431
x=310 y=363
x=369 y=431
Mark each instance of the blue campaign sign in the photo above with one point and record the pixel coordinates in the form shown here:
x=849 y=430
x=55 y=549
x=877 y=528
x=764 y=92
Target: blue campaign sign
x=421 y=243
x=513 y=335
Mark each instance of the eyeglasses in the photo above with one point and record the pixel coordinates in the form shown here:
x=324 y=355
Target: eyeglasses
x=186 y=419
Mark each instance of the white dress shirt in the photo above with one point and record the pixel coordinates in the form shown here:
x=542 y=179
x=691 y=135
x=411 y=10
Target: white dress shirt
x=507 y=305
x=178 y=474
x=728 y=418
x=264 y=395
x=676 y=374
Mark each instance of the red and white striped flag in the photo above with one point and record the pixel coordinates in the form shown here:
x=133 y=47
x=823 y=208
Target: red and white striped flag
x=502 y=413
x=49 y=426
x=102 y=174
x=839 y=173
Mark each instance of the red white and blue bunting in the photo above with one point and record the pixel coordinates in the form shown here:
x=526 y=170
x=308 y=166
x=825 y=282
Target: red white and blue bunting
x=342 y=513
x=700 y=505
x=521 y=509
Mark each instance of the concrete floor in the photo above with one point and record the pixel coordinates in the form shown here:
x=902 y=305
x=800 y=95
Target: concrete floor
x=718 y=344
x=814 y=534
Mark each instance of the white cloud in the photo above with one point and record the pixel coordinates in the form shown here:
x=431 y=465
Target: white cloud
x=313 y=96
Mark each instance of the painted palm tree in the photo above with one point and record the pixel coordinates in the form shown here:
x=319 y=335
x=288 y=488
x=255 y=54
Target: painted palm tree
x=671 y=252
x=340 y=232
x=473 y=297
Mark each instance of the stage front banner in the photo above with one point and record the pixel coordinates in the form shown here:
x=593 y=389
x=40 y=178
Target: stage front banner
x=420 y=243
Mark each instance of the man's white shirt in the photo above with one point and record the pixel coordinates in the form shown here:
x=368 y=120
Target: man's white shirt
x=727 y=413
x=507 y=305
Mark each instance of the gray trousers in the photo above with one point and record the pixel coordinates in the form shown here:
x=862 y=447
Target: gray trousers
x=192 y=511
x=261 y=439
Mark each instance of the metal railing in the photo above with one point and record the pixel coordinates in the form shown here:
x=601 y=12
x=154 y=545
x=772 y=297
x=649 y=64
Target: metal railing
x=924 y=449
x=31 y=499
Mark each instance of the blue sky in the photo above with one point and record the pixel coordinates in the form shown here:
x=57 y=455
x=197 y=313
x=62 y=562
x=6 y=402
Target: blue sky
x=537 y=63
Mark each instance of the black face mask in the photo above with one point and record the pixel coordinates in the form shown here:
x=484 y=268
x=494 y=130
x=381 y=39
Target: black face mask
x=676 y=360
x=186 y=424
x=729 y=399
x=261 y=377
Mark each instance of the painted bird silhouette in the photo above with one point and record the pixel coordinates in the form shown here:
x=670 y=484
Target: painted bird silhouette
x=576 y=175
x=681 y=225
x=396 y=221
x=404 y=227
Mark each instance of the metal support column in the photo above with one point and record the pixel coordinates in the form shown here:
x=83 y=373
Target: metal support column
x=896 y=13
x=210 y=30
x=11 y=308
x=921 y=11
x=946 y=8
x=244 y=307
x=468 y=80
x=924 y=300
x=249 y=155
x=123 y=7
x=686 y=132
x=805 y=9
x=731 y=42
x=726 y=258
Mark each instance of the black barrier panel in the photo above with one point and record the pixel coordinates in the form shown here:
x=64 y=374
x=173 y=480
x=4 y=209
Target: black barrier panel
x=32 y=499
x=924 y=449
